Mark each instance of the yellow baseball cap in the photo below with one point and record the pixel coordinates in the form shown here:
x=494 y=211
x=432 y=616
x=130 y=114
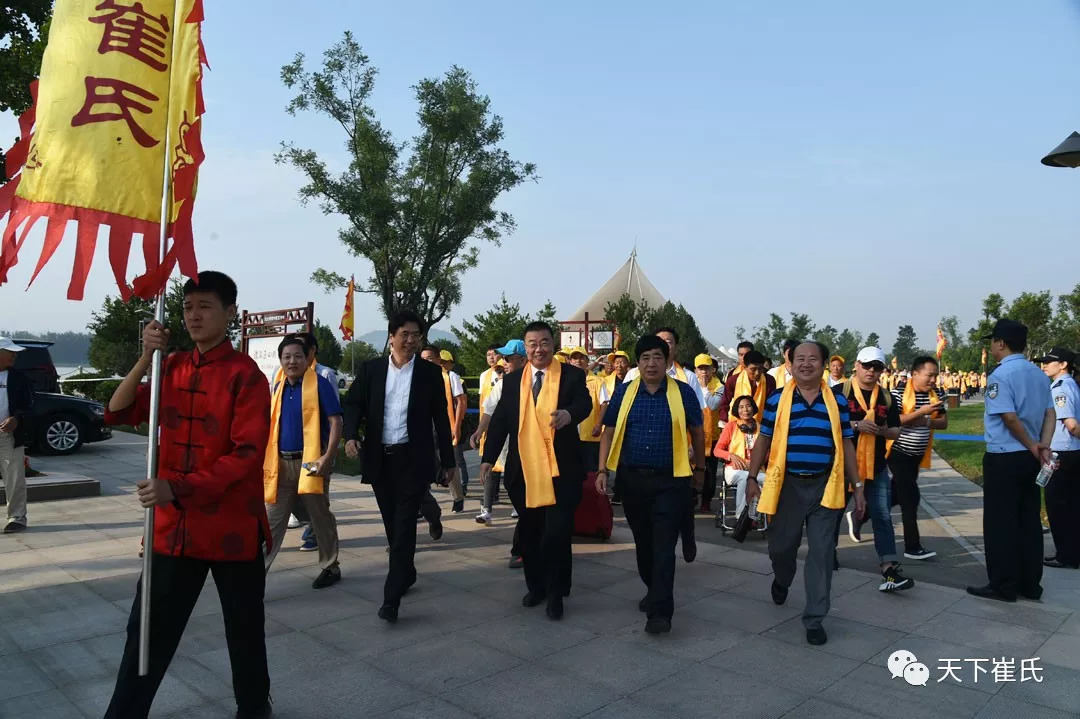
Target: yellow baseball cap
x=445 y=356
x=579 y=351
x=703 y=360
x=837 y=357
x=619 y=353
x=561 y=357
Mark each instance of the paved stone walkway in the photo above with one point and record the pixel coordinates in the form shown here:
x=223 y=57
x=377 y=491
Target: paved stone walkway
x=465 y=647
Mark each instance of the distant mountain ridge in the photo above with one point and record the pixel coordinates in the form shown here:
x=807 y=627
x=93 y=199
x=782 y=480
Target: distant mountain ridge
x=377 y=338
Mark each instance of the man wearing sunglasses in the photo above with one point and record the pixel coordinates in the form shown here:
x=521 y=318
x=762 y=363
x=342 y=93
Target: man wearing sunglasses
x=875 y=419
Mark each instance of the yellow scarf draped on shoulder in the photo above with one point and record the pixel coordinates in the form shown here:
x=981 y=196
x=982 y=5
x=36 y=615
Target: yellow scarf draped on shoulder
x=774 y=478
x=738 y=445
x=485 y=390
x=309 y=402
x=585 y=429
x=680 y=448
x=781 y=377
x=743 y=387
x=450 y=405
x=536 y=438
x=711 y=418
x=907 y=406
x=866 y=446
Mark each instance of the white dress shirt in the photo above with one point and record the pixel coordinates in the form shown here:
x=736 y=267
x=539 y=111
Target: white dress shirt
x=490 y=404
x=396 y=406
x=5 y=406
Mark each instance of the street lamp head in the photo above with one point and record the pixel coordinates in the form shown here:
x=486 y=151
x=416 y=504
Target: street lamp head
x=1067 y=154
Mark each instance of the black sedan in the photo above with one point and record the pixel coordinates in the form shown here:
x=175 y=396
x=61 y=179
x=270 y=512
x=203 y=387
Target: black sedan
x=61 y=424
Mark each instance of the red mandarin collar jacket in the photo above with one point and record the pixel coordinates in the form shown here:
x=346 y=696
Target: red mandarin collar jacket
x=215 y=423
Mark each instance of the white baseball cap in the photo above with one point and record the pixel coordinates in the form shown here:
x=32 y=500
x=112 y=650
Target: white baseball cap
x=7 y=344
x=870 y=354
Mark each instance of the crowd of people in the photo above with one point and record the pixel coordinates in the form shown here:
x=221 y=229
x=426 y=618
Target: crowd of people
x=804 y=445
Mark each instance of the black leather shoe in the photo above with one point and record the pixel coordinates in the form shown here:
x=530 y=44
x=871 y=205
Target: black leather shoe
x=532 y=599
x=779 y=594
x=435 y=529
x=988 y=592
x=643 y=605
x=327 y=578
x=817 y=637
x=264 y=712
x=657 y=625
x=554 y=609
x=1058 y=564
x=458 y=507
x=516 y=563
x=388 y=613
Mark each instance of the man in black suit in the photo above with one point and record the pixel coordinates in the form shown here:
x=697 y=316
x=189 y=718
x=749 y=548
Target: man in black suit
x=401 y=400
x=545 y=493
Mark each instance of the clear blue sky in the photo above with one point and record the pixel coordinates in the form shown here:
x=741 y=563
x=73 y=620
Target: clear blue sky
x=869 y=164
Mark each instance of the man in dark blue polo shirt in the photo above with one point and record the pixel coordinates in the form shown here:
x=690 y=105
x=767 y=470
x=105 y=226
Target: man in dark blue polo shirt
x=805 y=464
x=645 y=434
x=294 y=458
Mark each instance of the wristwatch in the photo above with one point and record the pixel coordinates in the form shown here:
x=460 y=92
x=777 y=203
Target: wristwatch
x=857 y=485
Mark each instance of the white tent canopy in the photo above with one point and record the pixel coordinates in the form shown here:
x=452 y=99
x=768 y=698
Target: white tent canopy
x=629 y=280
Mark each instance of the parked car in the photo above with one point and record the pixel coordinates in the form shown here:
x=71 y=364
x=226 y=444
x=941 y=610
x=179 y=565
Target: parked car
x=57 y=423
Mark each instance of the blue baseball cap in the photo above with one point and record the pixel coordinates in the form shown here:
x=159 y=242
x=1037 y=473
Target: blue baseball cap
x=513 y=347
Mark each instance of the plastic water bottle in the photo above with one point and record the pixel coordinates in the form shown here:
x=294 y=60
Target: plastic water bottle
x=1047 y=470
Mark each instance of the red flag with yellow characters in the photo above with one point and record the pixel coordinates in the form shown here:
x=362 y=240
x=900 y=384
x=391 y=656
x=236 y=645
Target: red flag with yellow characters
x=120 y=93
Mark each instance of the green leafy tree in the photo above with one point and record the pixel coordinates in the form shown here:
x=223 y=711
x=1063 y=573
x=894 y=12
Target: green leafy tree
x=330 y=352
x=1065 y=327
x=769 y=338
x=356 y=352
x=1035 y=310
x=415 y=215
x=631 y=320
x=802 y=327
x=502 y=323
x=905 y=349
x=116 y=329
x=691 y=343
x=847 y=345
x=873 y=340
x=24 y=25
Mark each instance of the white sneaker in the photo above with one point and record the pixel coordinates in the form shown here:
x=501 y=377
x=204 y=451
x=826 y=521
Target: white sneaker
x=514 y=514
x=920 y=553
x=484 y=517
x=294 y=523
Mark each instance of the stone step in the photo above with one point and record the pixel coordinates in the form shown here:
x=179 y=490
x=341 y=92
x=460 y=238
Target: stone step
x=51 y=487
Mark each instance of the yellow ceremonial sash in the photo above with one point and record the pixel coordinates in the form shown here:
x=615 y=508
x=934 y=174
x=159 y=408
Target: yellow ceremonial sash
x=738 y=442
x=907 y=405
x=781 y=376
x=450 y=405
x=743 y=387
x=485 y=390
x=710 y=418
x=585 y=429
x=774 y=477
x=680 y=451
x=536 y=439
x=309 y=402
x=865 y=448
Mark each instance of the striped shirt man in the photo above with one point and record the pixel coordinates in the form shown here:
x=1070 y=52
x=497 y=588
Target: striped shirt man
x=810 y=445
x=913 y=440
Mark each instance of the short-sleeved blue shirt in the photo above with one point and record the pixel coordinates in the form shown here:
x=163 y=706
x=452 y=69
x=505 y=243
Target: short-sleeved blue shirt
x=1019 y=387
x=647 y=441
x=291 y=432
x=810 y=446
x=1066 y=395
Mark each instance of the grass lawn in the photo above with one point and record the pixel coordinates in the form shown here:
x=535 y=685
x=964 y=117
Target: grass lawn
x=965 y=457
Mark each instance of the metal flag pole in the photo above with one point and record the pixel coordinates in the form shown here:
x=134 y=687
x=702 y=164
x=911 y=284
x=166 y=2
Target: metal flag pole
x=157 y=363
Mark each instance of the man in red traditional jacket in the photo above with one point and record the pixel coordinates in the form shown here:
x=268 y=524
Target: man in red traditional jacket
x=210 y=517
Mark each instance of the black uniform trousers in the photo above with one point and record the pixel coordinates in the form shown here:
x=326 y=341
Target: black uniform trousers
x=905 y=472
x=654 y=502
x=174 y=589
x=1011 y=523
x=543 y=535
x=400 y=500
x=1063 y=507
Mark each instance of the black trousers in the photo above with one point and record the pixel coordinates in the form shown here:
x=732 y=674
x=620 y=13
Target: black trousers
x=1063 y=507
x=177 y=583
x=655 y=505
x=590 y=453
x=1011 y=523
x=400 y=499
x=708 y=491
x=543 y=535
x=905 y=472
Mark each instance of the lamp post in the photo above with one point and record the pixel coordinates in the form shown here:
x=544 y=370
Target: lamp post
x=1067 y=154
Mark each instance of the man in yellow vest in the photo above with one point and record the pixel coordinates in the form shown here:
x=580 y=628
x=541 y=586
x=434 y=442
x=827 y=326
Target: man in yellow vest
x=589 y=429
x=713 y=390
x=457 y=494
x=806 y=437
x=645 y=434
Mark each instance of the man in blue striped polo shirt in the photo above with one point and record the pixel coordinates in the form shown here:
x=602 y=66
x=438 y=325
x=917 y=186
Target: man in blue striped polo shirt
x=810 y=454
